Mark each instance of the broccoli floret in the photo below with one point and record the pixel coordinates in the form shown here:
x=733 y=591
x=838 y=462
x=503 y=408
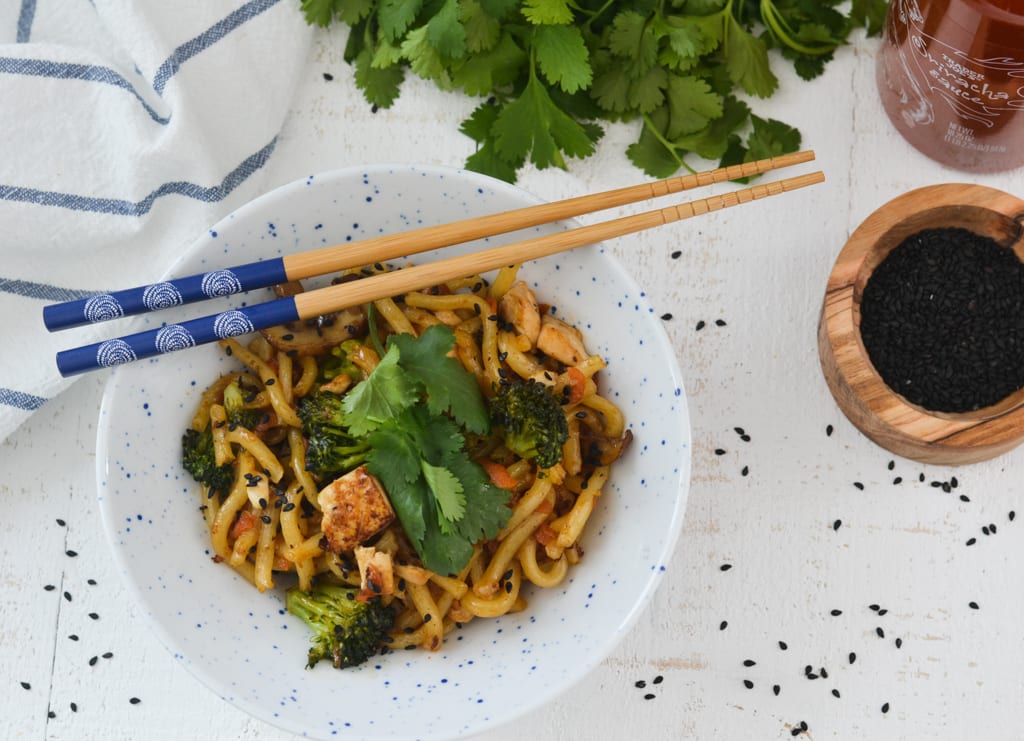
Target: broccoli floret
x=346 y=631
x=532 y=419
x=197 y=457
x=340 y=362
x=234 y=406
x=331 y=450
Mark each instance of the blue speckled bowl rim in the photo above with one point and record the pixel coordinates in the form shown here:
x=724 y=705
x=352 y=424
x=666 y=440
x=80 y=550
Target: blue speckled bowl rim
x=662 y=351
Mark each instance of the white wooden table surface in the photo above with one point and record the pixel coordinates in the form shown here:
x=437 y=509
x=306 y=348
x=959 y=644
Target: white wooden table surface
x=801 y=540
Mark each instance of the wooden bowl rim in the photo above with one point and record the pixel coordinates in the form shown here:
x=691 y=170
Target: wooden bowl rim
x=909 y=422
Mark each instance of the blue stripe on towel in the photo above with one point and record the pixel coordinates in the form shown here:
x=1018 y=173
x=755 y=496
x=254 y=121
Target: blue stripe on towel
x=25 y=18
x=120 y=207
x=42 y=291
x=206 y=39
x=72 y=71
x=20 y=400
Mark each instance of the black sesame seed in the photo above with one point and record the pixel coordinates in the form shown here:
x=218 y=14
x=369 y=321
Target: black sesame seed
x=94 y=616
x=899 y=643
x=852 y=657
x=835 y=693
x=720 y=322
x=883 y=611
x=837 y=524
x=782 y=645
x=823 y=673
x=49 y=587
x=897 y=480
x=749 y=662
x=134 y=700
x=836 y=613
x=649 y=696
x=812 y=676
x=93 y=660
x=666 y=316
x=964 y=498
x=892 y=465
x=108 y=655
x=803 y=725
x=719 y=451
x=677 y=254
x=700 y=325
x=723 y=625
x=748 y=684
x=51 y=714
x=266 y=519
x=658 y=679
x=1012 y=515
x=745 y=470
x=880 y=632
x=875 y=608
x=920 y=477
x=328 y=76
x=61 y=522
x=971 y=541
x=26 y=686
x=973 y=605
x=795 y=732
x=828 y=430
x=776 y=689
x=859 y=485
x=808 y=669
x=885 y=708
x=640 y=684
x=725 y=567
x=270 y=382
x=74 y=707
x=73 y=637
x=992 y=528
x=71 y=554
x=91 y=582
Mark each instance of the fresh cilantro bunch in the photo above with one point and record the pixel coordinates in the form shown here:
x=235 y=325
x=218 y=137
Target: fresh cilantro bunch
x=551 y=71
x=411 y=410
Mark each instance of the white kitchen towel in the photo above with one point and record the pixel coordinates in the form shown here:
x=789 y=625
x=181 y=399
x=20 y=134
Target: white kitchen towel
x=128 y=127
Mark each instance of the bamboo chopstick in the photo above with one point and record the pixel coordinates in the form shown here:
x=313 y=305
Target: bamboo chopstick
x=324 y=260
x=334 y=298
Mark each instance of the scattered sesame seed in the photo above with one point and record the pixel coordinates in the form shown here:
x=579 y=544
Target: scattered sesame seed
x=74 y=707
x=91 y=582
x=748 y=684
x=725 y=567
x=649 y=696
x=49 y=587
x=51 y=714
x=964 y=498
x=823 y=673
x=70 y=554
x=828 y=430
x=858 y=485
x=776 y=689
x=61 y=522
x=658 y=679
x=677 y=254
x=719 y=451
x=885 y=708
x=94 y=616
x=897 y=480
x=899 y=643
x=971 y=541
x=666 y=316
x=873 y=607
x=93 y=660
x=700 y=325
x=837 y=524
x=852 y=657
x=973 y=605
x=134 y=700
x=640 y=684
x=328 y=76
x=723 y=625
x=719 y=322
x=783 y=645
x=108 y=655
x=1012 y=515
x=26 y=686
x=795 y=732
x=745 y=470
x=883 y=611
x=835 y=693
x=892 y=465
x=749 y=662
x=836 y=613
x=880 y=632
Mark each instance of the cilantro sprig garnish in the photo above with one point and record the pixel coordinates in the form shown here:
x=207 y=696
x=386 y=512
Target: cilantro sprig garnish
x=412 y=410
x=550 y=72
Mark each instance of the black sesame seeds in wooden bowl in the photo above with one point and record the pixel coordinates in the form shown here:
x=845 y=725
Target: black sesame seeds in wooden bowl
x=921 y=335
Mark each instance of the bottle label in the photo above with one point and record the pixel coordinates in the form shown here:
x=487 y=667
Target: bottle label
x=979 y=90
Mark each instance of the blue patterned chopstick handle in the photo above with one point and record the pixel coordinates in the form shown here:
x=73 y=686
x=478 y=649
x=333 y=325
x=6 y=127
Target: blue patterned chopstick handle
x=164 y=295
x=172 y=337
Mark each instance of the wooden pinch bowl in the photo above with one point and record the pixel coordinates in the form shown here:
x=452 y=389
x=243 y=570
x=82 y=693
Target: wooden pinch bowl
x=886 y=417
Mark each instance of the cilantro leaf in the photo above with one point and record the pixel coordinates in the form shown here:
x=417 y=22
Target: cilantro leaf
x=479 y=74
x=396 y=16
x=770 y=138
x=747 y=61
x=395 y=461
x=562 y=57
x=448 y=493
x=380 y=86
x=487 y=505
x=444 y=552
x=380 y=398
x=547 y=12
x=692 y=105
x=870 y=14
x=533 y=123
x=482 y=30
x=318 y=12
x=449 y=387
x=446 y=33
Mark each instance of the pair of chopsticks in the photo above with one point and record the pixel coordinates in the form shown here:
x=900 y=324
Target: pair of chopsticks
x=311 y=304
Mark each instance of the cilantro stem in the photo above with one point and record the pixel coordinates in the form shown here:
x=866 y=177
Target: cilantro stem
x=669 y=146
x=599 y=12
x=371 y=323
x=776 y=23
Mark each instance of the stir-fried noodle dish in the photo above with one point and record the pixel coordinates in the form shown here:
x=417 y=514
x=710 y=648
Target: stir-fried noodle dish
x=405 y=467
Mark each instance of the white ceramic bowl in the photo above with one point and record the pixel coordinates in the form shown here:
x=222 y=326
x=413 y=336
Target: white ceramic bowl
x=242 y=644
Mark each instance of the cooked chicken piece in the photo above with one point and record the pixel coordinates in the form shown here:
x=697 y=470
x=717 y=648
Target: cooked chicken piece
x=519 y=308
x=355 y=508
x=561 y=341
x=376 y=571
